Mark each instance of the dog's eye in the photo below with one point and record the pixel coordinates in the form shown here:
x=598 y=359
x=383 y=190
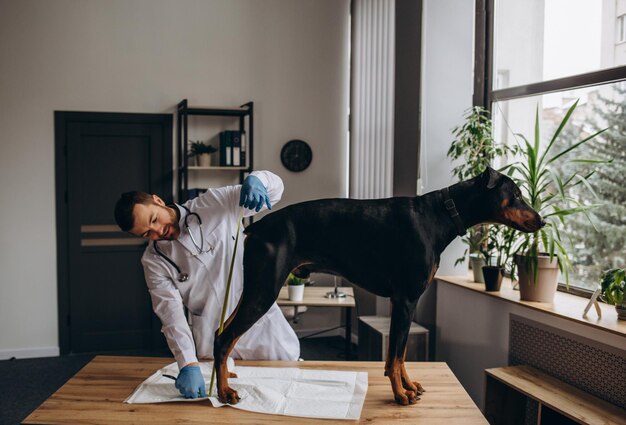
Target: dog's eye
x=518 y=196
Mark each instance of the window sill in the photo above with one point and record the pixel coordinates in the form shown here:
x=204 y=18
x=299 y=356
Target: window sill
x=565 y=305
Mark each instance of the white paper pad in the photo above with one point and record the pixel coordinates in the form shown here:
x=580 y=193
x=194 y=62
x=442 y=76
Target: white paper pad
x=283 y=391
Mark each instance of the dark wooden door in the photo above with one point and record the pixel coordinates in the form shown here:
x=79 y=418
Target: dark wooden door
x=104 y=304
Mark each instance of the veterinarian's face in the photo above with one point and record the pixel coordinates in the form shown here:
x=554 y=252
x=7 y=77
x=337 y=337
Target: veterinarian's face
x=155 y=221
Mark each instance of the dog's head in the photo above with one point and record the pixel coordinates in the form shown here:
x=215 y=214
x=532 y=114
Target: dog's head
x=505 y=205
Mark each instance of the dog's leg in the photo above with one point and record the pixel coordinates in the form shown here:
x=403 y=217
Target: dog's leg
x=262 y=282
x=401 y=314
x=407 y=383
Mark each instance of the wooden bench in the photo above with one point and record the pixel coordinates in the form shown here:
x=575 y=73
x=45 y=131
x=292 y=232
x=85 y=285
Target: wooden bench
x=524 y=395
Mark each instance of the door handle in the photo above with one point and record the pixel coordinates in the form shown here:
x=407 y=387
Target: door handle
x=108 y=241
x=113 y=242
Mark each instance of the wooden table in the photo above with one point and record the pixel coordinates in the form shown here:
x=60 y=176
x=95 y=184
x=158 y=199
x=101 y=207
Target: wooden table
x=95 y=395
x=314 y=296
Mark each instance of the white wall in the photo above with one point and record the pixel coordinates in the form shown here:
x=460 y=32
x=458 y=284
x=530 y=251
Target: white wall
x=289 y=56
x=447 y=87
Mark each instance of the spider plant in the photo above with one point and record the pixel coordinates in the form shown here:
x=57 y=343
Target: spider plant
x=549 y=193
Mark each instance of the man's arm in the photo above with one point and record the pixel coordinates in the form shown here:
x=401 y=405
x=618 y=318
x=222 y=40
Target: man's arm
x=168 y=306
x=229 y=197
x=273 y=186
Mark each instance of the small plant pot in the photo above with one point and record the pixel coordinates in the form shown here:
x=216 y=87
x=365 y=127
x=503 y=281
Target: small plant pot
x=203 y=160
x=493 y=278
x=621 y=311
x=296 y=292
x=477 y=264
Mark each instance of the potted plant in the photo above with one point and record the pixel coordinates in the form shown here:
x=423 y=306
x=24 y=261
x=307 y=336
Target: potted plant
x=500 y=241
x=541 y=256
x=295 y=287
x=475 y=240
x=474 y=145
x=201 y=152
x=613 y=283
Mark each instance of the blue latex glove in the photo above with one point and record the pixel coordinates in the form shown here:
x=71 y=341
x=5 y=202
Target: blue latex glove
x=190 y=382
x=253 y=194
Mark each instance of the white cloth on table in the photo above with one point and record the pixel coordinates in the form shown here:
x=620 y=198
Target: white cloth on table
x=307 y=393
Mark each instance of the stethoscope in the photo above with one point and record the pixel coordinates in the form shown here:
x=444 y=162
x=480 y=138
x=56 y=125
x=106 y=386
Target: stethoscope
x=184 y=277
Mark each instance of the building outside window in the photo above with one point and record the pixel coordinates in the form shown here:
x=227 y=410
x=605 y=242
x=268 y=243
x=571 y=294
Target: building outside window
x=546 y=55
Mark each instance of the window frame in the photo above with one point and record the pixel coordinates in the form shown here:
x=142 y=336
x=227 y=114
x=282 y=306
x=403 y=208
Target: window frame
x=485 y=96
x=621 y=29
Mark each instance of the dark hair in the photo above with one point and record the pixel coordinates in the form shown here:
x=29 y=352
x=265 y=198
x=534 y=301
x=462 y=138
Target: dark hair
x=124 y=208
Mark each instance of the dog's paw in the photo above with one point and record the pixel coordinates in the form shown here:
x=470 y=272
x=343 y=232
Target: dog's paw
x=402 y=399
x=414 y=386
x=419 y=389
x=228 y=396
x=412 y=396
x=406 y=398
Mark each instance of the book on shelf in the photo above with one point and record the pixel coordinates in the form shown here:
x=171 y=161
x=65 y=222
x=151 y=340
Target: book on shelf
x=243 y=150
x=226 y=149
x=236 y=139
x=233 y=148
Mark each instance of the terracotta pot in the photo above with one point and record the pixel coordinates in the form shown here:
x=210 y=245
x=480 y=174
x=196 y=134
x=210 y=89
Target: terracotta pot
x=493 y=277
x=477 y=263
x=544 y=288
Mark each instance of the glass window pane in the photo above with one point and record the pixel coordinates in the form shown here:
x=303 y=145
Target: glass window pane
x=539 y=40
x=591 y=250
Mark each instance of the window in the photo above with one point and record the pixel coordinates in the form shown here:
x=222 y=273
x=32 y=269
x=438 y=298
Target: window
x=621 y=29
x=546 y=54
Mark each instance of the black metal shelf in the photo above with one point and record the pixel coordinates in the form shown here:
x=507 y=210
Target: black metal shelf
x=245 y=113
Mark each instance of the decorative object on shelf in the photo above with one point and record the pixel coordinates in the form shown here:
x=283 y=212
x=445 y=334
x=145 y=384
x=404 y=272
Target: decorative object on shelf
x=594 y=302
x=296 y=155
x=295 y=287
x=202 y=152
x=542 y=254
x=613 y=284
x=474 y=145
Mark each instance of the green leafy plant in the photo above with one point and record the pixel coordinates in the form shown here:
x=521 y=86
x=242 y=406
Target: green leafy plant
x=475 y=239
x=293 y=280
x=500 y=245
x=474 y=144
x=548 y=193
x=613 y=283
x=199 y=148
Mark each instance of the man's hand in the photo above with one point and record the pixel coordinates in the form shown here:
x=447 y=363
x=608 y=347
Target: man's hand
x=253 y=194
x=190 y=382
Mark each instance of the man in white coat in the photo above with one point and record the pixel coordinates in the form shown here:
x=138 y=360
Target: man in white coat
x=187 y=264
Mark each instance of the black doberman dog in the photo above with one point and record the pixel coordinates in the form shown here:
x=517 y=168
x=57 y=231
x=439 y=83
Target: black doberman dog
x=390 y=247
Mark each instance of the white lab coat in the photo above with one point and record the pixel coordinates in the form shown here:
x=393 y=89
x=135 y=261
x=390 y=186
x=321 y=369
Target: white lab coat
x=203 y=294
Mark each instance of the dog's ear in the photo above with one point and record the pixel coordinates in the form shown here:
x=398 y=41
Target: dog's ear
x=491 y=177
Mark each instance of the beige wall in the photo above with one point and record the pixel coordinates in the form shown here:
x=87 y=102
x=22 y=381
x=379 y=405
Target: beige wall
x=289 y=56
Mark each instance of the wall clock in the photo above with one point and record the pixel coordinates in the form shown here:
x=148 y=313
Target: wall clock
x=296 y=155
